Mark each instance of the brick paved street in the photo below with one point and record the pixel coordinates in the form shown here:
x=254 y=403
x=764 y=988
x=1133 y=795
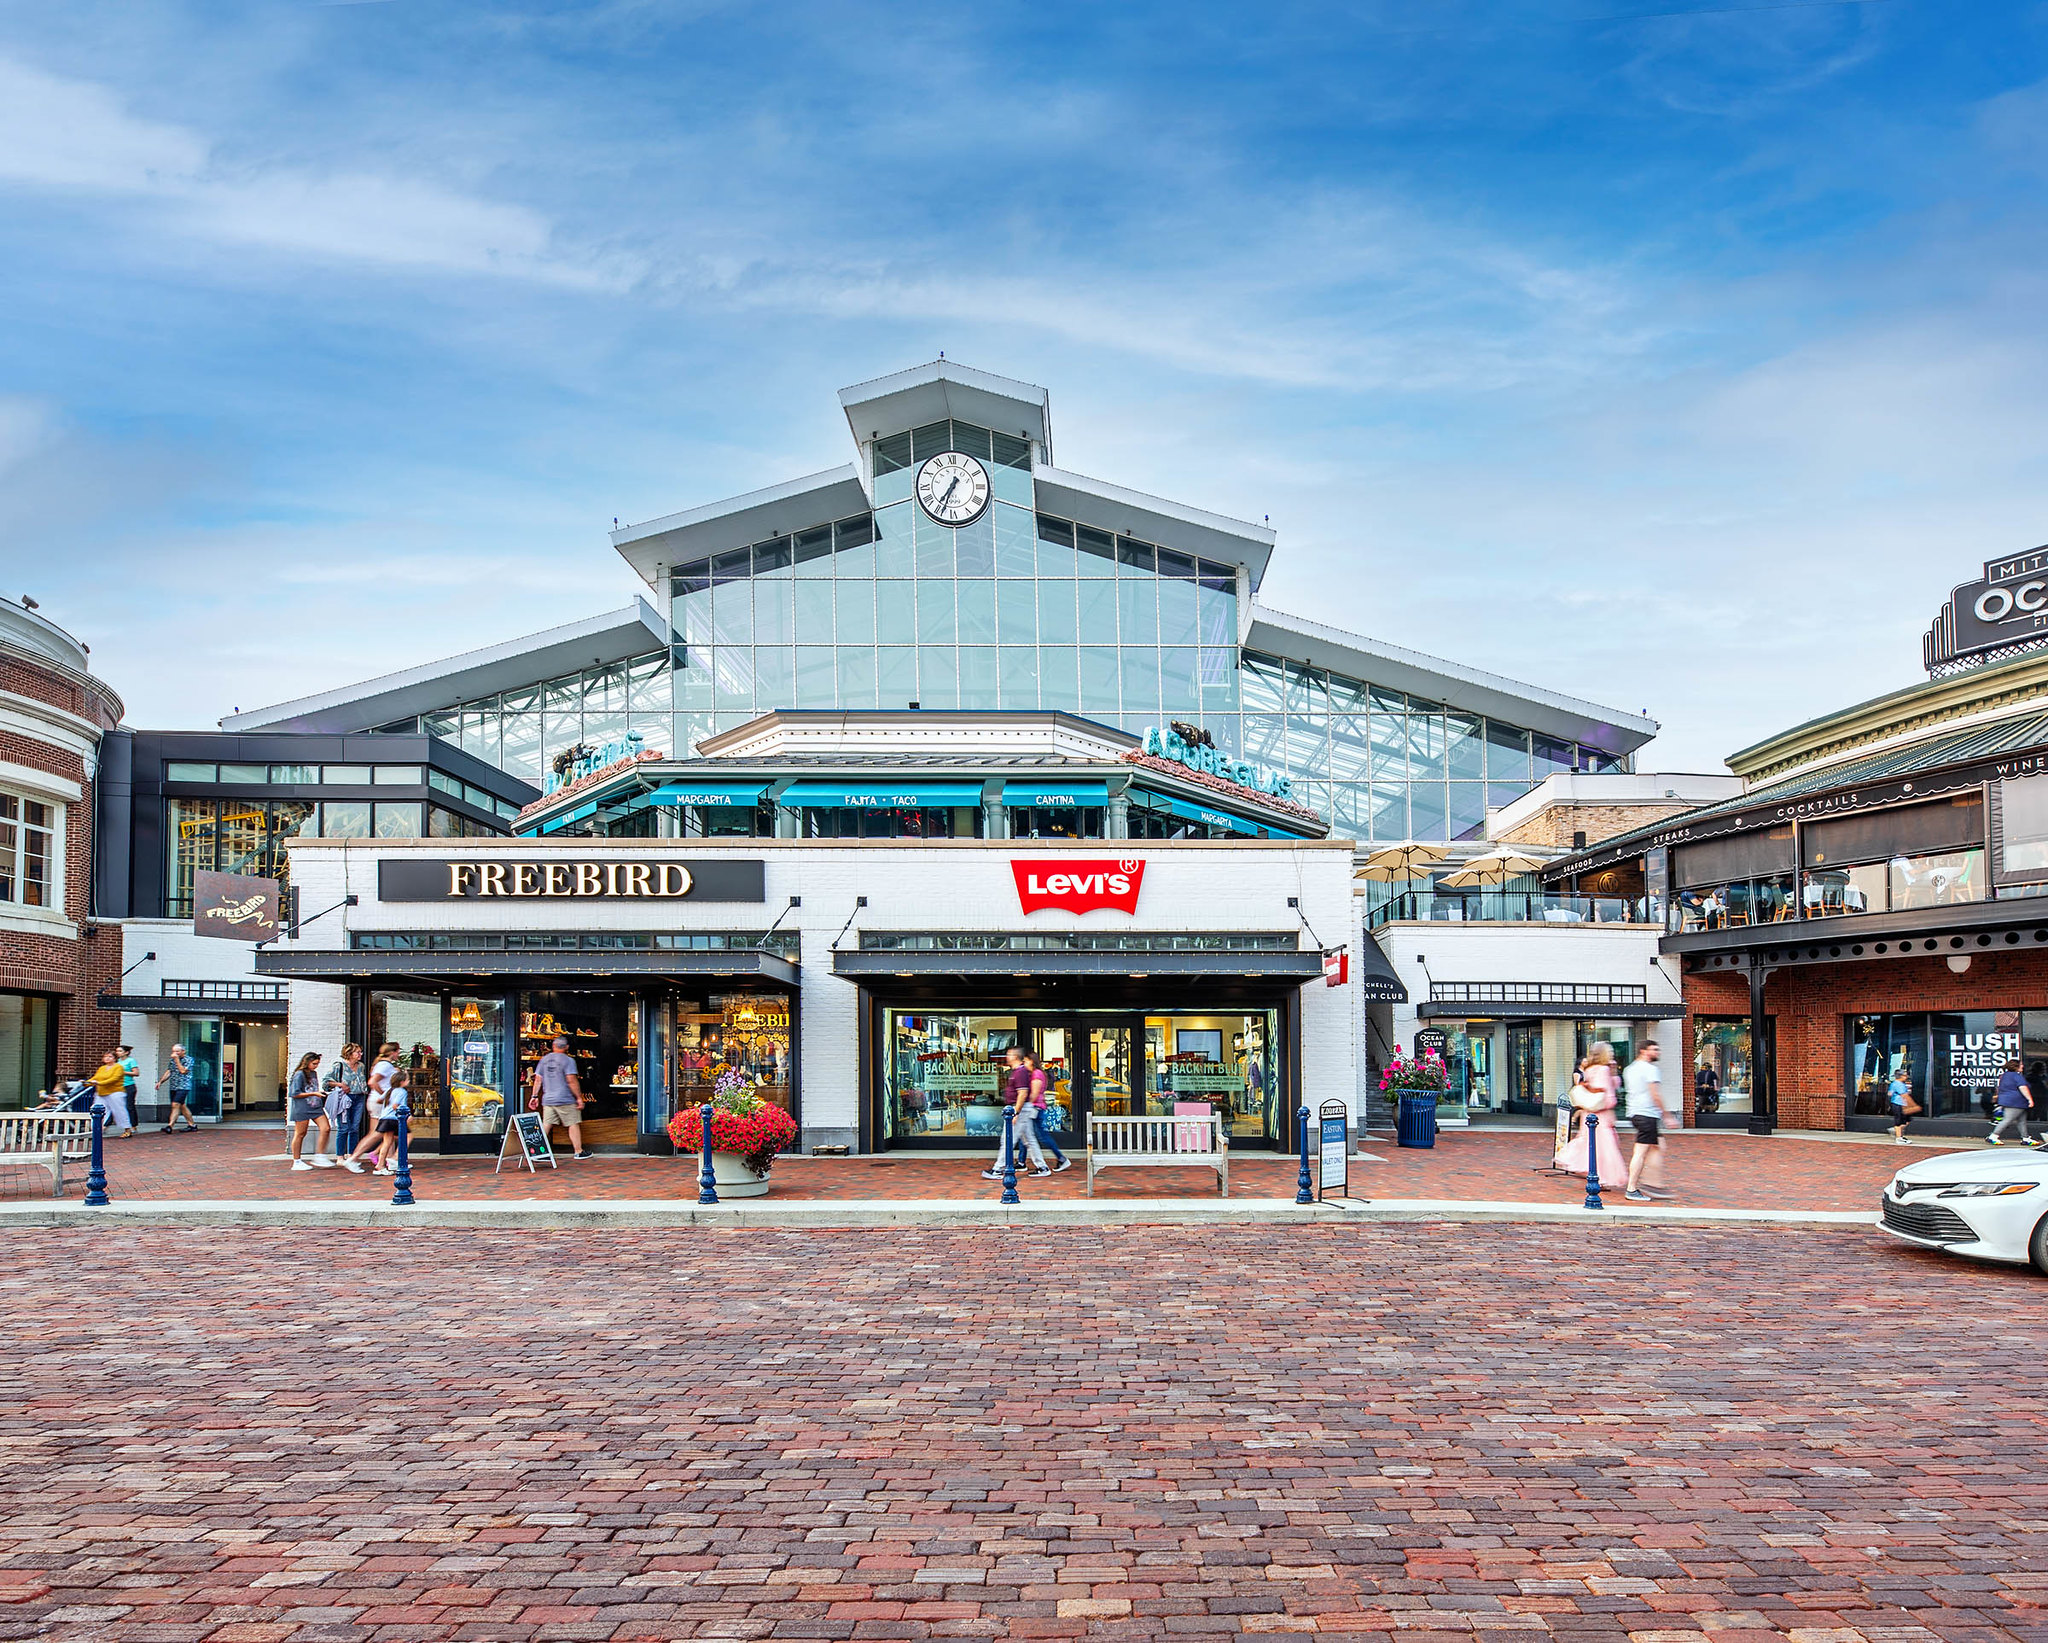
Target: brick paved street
x=1436 y=1433
x=1716 y=1171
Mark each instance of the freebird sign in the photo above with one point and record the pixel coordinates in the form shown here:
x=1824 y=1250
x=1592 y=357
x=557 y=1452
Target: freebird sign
x=234 y=906
x=567 y=879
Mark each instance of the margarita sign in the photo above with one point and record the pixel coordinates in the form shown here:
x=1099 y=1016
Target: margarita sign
x=1211 y=760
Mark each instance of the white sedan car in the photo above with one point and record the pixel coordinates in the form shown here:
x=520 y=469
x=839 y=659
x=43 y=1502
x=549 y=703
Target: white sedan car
x=1991 y=1204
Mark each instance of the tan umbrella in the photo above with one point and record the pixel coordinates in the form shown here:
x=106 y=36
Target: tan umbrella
x=1392 y=863
x=1497 y=868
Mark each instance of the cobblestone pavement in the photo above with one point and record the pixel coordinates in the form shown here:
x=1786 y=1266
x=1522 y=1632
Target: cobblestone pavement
x=1426 y=1433
x=1713 y=1171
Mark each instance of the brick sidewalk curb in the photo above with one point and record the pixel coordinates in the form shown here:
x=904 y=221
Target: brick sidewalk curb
x=880 y=1212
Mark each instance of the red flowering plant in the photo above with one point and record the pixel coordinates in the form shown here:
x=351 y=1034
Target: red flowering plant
x=742 y=1122
x=1424 y=1072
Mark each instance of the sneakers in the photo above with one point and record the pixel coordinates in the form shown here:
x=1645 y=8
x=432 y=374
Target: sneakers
x=352 y=1166
x=593 y=1155
x=1658 y=1192
x=1639 y=1198
x=991 y=1175
x=1065 y=1163
x=1041 y=1172
x=1993 y=1141
x=300 y=1163
x=381 y=1170
x=322 y=1161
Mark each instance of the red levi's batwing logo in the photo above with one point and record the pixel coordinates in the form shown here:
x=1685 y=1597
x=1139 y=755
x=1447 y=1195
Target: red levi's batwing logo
x=1078 y=886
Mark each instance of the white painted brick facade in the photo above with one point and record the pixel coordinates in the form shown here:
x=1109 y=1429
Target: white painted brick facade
x=910 y=885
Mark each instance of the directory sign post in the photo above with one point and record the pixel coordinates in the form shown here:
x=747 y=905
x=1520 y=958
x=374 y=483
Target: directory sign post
x=1333 y=1128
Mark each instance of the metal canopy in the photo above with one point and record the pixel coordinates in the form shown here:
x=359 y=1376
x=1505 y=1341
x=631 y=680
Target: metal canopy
x=157 y=1004
x=1375 y=977
x=352 y=965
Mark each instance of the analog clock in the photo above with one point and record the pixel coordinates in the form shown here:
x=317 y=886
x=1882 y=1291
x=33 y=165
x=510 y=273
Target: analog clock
x=953 y=488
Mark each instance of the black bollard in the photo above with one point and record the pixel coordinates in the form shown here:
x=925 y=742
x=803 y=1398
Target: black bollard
x=1593 y=1162
x=707 y=1178
x=1010 y=1157
x=96 y=1176
x=401 y=1184
x=1303 y=1184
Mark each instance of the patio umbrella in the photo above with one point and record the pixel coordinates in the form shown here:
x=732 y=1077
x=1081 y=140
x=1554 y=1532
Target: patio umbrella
x=1496 y=869
x=1392 y=863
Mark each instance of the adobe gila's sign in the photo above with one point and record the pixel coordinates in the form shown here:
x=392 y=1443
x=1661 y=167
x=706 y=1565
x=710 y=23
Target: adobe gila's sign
x=1078 y=886
x=2007 y=605
x=411 y=879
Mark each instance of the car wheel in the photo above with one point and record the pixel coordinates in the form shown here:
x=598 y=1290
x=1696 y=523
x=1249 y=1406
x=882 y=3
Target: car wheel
x=2037 y=1246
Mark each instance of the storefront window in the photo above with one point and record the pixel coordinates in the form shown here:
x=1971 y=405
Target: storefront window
x=1879 y=1048
x=201 y=1037
x=190 y=826
x=1080 y=822
x=1469 y=1055
x=943 y=1074
x=1525 y=1067
x=944 y=822
x=1968 y=1050
x=412 y=1021
x=1618 y=1036
x=748 y=1031
x=25 y=1070
x=1222 y=1062
x=477 y=1083
x=1723 y=1069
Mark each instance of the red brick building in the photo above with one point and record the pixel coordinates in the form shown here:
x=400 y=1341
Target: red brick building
x=1873 y=908
x=54 y=961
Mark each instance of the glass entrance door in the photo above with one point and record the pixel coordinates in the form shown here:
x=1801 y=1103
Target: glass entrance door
x=1088 y=1067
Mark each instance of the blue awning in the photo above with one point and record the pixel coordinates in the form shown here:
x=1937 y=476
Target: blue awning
x=1218 y=818
x=576 y=815
x=1055 y=795
x=879 y=795
x=718 y=793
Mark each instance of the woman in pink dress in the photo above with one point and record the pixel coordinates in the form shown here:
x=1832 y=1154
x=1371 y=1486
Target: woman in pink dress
x=1594 y=1093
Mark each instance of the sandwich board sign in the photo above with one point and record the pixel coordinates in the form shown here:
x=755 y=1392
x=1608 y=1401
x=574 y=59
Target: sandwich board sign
x=533 y=1142
x=1333 y=1135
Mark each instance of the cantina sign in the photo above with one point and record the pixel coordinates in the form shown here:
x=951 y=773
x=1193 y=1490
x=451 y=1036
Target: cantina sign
x=570 y=880
x=1078 y=886
x=2008 y=605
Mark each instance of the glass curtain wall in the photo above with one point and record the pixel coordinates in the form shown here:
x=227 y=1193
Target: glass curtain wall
x=1017 y=610
x=232 y=836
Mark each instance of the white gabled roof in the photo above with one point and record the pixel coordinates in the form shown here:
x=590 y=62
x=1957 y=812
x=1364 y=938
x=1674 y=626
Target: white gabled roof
x=738 y=521
x=1155 y=519
x=1469 y=688
x=931 y=393
x=594 y=642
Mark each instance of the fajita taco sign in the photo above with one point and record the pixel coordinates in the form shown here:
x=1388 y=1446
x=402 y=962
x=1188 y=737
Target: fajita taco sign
x=2007 y=605
x=570 y=880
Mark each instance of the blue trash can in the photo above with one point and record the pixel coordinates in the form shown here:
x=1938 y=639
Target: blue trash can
x=1415 y=1120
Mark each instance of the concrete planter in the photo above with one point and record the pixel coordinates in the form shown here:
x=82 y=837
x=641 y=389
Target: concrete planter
x=733 y=1178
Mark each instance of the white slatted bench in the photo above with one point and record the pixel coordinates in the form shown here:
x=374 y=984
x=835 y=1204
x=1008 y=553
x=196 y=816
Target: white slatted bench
x=47 y=1139
x=1113 y=1142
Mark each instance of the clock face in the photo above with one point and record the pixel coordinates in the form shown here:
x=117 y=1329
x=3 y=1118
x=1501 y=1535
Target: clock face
x=953 y=488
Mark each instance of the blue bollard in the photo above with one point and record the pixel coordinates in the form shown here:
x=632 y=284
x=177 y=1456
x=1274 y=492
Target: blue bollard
x=707 y=1178
x=1304 y=1192
x=1593 y=1162
x=96 y=1177
x=401 y=1181
x=1010 y=1157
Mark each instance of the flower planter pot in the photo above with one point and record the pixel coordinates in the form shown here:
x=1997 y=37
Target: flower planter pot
x=732 y=1176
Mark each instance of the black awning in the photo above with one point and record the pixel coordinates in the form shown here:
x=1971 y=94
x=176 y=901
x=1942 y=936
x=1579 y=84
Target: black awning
x=1296 y=969
x=156 y=1004
x=1496 y=1011
x=1375 y=977
x=526 y=968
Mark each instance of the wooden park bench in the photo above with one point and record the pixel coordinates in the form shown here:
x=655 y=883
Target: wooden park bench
x=47 y=1139
x=1177 y=1141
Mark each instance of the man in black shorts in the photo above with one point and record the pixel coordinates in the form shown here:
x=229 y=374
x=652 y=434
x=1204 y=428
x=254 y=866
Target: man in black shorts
x=1643 y=1087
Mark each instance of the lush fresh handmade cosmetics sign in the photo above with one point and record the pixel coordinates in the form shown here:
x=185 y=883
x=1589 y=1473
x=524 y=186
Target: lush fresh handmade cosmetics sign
x=1078 y=886
x=405 y=879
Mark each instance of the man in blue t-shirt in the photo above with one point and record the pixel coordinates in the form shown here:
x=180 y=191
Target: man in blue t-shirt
x=555 y=1093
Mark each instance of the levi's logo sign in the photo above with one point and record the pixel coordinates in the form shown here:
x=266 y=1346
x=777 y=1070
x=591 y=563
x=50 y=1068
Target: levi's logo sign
x=1078 y=886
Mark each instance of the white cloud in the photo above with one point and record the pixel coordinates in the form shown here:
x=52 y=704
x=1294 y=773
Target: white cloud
x=75 y=137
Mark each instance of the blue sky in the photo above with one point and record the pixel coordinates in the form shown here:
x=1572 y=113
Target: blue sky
x=1681 y=361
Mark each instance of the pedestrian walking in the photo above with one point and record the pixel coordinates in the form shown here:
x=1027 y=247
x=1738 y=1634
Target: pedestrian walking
x=1593 y=1092
x=554 y=1090
x=347 y=1089
x=2014 y=1098
x=395 y=1114
x=131 y=1074
x=178 y=1074
x=1643 y=1087
x=1041 y=1106
x=1899 y=1097
x=378 y=1084
x=1023 y=1117
x=308 y=1111
x=110 y=1095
